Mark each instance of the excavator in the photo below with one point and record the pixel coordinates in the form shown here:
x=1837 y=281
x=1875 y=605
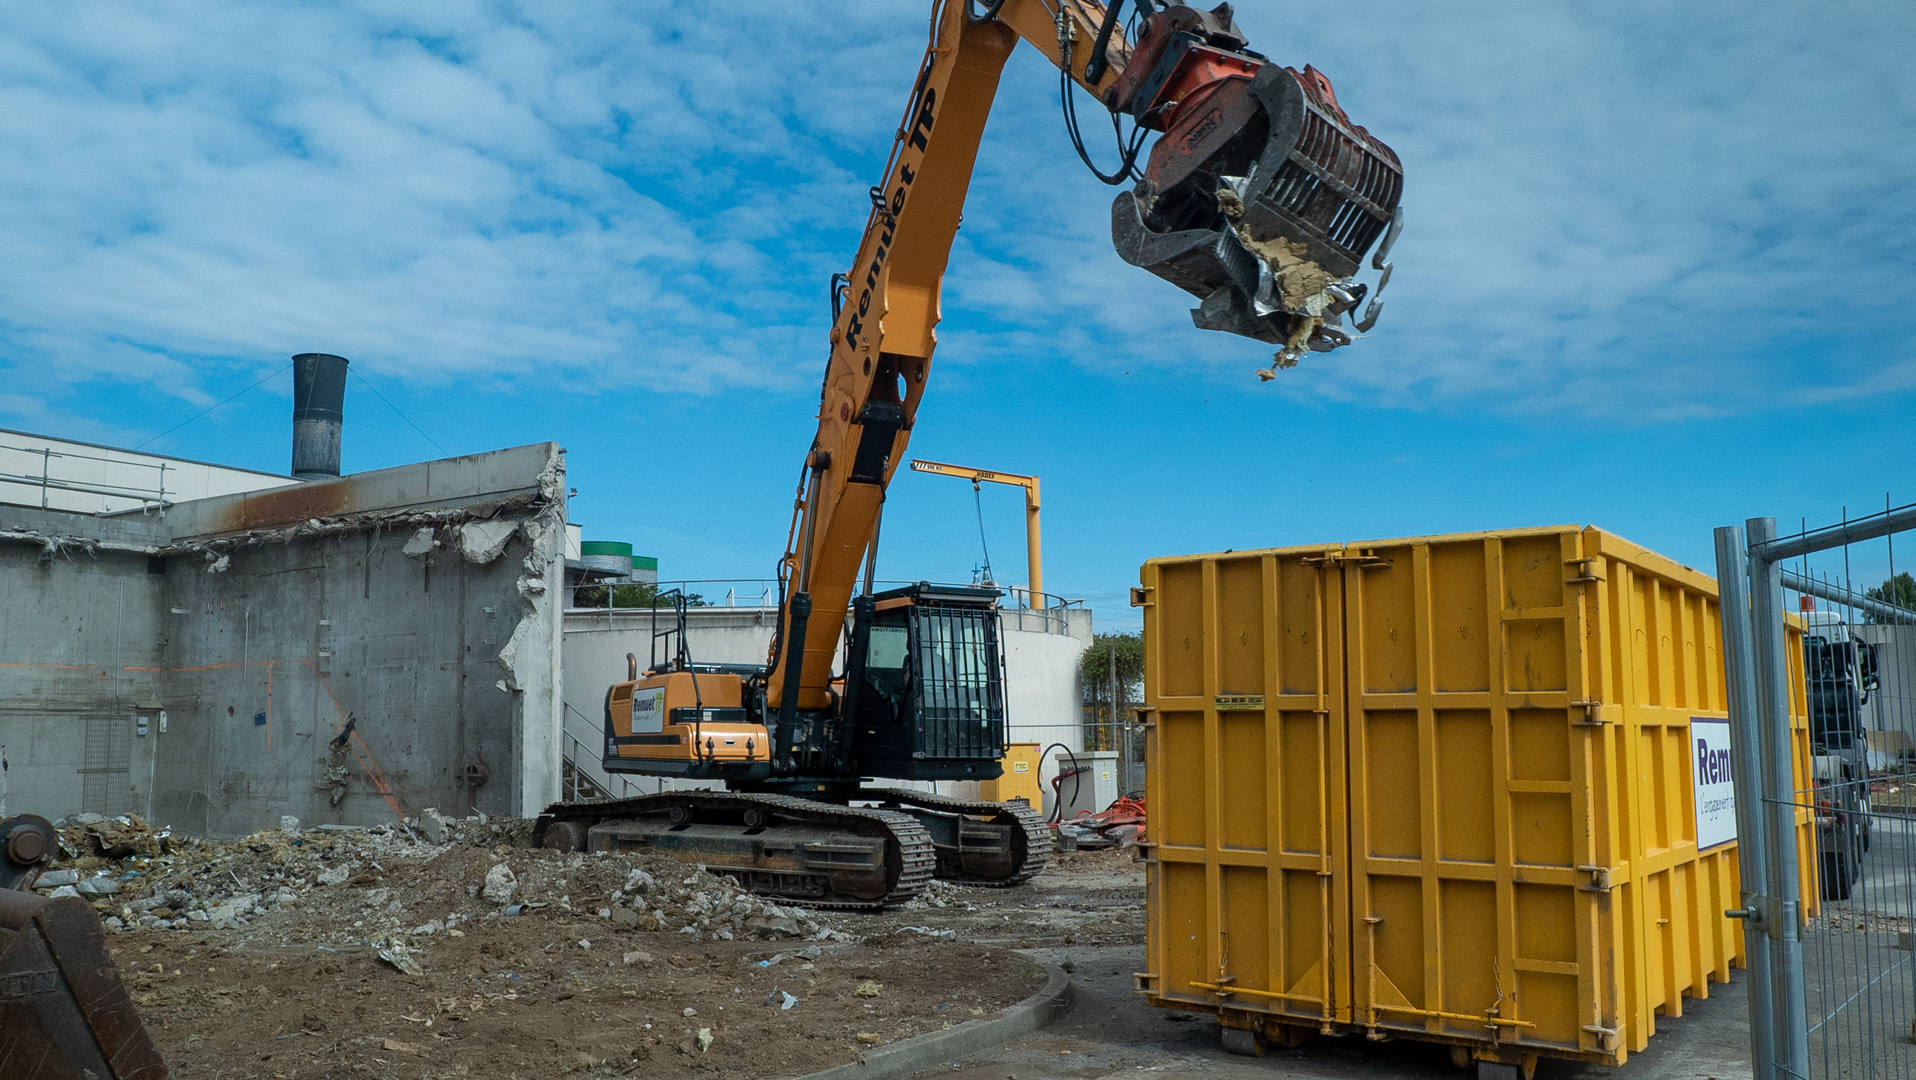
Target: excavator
x=1258 y=196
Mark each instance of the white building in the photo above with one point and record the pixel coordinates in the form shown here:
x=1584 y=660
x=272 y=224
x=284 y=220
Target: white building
x=85 y=478
x=1042 y=650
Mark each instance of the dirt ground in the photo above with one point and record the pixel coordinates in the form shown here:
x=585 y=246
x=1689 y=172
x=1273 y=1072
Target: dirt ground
x=290 y=985
x=526 y=998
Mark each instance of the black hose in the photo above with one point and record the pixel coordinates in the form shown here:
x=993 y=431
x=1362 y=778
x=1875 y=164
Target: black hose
x=990 y=12
x=1127 y=154
x=1077 y=780
x=1094 y=67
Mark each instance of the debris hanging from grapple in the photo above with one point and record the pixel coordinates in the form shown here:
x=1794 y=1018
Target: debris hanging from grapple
x=1260 y=198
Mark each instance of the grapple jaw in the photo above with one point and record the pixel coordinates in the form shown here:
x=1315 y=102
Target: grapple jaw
x=64 y=1014
x=1261 y=198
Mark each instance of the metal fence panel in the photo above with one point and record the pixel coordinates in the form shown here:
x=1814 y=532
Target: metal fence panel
x=1840 y=984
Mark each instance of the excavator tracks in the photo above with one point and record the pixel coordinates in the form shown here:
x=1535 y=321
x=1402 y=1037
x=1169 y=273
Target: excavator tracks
x=996 y=845
x=814 y=854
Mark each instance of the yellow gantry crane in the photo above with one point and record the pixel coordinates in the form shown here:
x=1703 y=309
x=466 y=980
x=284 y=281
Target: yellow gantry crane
x=1030 y=484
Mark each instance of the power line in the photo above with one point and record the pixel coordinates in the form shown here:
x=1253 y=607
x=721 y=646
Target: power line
x=401 y=415
x=210 y=408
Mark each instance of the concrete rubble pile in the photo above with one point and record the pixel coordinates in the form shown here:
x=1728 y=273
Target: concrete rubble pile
x=406 y=880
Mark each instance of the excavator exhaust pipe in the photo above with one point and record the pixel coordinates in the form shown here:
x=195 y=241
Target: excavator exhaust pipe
x=64 y=1014
x=1260 y=198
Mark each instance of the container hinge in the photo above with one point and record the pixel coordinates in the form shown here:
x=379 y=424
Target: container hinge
x=1141 y=980
x=1607 y=1034
x=1362 y=560
x=1592 y=713
x=1599 y=878
x=1586 y=570
x=1138 y=596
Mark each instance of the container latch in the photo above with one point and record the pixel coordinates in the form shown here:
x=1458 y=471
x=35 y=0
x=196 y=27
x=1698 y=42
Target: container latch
x=1592 y=713
x=1362 y=560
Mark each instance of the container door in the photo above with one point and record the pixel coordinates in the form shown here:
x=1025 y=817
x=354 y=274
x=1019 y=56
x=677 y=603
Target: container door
x=1480 y=895
x=1245 y=784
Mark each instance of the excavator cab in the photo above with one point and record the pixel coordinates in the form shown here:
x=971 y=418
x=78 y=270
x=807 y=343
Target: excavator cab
x=924 y=684
x=1260 y=197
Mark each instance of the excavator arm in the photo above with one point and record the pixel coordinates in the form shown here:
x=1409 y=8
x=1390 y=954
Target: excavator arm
x=1259 y=197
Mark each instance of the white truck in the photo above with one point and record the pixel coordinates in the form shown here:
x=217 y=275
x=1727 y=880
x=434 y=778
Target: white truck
x=1839 y=675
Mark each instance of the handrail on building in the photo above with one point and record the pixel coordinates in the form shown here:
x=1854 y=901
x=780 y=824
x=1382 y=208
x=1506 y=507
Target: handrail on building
x=148 y=498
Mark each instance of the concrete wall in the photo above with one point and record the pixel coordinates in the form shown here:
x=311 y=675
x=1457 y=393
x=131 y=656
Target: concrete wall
x=78 y=655
x=1042 y=651
x=247 y=629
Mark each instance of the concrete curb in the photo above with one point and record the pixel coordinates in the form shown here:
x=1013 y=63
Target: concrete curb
x=932 y=1049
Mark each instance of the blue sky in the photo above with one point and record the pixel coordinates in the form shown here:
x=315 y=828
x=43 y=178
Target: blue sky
x=1657 y=274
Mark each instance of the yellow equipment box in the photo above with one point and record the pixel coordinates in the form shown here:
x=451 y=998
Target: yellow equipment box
x=1440 y=788
x=1020 y=779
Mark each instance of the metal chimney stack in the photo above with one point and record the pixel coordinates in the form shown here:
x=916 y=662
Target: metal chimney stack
x=319 y=408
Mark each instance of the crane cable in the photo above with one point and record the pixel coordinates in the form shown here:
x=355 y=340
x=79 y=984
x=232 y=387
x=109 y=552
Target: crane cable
x=978 y=500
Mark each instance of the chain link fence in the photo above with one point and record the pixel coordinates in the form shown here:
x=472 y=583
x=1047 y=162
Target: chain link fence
x=1832 y=974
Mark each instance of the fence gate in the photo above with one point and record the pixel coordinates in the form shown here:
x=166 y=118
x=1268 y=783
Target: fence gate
x=1832 y=974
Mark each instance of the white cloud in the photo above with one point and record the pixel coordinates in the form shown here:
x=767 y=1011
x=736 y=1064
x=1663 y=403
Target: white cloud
x=1621 y=210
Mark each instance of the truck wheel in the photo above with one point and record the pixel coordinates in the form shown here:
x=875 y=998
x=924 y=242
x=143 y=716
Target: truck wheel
x=1836 y=875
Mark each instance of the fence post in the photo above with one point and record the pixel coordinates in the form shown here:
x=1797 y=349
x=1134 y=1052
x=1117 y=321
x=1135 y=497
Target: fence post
x=1773 y=690
x=1746 y=740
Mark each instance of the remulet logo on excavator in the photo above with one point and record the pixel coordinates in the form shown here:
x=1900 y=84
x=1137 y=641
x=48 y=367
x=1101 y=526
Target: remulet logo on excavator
x=918 y=140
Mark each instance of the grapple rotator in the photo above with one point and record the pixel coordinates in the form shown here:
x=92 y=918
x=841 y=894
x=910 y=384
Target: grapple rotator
x=1260 y=198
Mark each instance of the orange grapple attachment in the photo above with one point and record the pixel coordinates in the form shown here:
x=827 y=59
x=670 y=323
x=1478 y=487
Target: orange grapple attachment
x=1261 y=197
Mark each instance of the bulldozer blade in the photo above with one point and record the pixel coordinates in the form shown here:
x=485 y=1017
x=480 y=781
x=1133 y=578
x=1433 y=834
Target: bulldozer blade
x=64 y=1014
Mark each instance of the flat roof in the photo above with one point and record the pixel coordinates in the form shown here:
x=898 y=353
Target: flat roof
x=143 y=453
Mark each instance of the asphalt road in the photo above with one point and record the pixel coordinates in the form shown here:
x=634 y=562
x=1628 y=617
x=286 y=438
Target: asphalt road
x=1110 y=1032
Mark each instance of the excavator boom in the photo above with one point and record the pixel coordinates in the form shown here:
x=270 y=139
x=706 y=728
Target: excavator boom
x=1259 y=197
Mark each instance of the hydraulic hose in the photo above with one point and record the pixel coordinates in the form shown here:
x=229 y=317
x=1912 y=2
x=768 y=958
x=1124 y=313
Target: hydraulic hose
x=1077 y=781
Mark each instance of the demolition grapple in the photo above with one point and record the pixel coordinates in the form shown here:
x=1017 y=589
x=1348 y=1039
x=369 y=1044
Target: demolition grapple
x=1260 y=198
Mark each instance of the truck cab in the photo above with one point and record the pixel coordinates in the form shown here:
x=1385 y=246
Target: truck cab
x=1839 y=676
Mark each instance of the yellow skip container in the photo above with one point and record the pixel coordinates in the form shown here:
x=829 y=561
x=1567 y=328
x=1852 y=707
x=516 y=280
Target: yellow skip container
x=1441 y=788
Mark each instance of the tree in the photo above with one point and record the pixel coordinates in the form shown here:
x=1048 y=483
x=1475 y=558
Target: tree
x=1899 y=590
x=1123 y=653
x=636 y=595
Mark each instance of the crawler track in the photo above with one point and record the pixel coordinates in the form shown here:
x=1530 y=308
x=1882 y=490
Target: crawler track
x=814 y=854
x=1019 y=826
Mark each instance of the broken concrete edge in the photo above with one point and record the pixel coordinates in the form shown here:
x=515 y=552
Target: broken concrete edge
x=936 y=1048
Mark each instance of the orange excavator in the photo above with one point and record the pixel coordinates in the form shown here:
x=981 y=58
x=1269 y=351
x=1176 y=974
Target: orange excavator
x=1258 y=196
